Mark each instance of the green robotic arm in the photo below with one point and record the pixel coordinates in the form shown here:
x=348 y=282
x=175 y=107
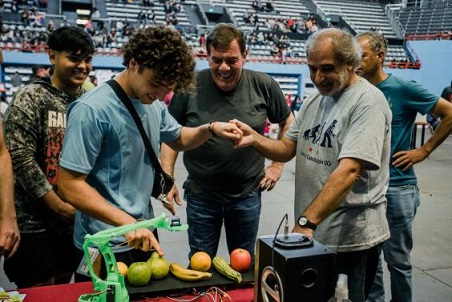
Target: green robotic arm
x=113 y=288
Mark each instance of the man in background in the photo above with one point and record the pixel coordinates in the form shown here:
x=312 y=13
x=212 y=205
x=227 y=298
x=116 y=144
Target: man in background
x=406 y=99
x=38 y=72
x=16 y=79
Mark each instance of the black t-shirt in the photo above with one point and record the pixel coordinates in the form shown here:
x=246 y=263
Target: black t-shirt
x=216 y=169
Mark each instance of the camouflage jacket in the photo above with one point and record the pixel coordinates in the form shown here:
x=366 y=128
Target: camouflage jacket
x=34 y=127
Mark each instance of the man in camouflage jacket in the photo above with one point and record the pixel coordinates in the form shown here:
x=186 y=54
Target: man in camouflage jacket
x=35 y=124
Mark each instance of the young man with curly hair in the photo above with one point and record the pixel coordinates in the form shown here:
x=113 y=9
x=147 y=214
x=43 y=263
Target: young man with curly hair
x=35 y=124
x=105 y=171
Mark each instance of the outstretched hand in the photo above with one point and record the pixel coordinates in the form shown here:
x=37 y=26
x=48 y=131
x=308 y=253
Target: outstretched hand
x=144 y=240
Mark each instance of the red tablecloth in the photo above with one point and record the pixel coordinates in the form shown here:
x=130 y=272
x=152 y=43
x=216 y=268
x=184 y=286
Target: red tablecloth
x=71 y=293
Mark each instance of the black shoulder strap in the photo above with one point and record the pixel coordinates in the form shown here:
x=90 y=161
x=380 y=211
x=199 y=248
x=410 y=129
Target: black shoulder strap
x=126 y=101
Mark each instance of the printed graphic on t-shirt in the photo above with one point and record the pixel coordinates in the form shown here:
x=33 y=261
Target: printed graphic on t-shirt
x=321 y=136
x=54 y=143
x=316 y=134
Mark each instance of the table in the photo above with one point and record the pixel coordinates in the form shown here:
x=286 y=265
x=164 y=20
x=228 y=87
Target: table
x=71 y=292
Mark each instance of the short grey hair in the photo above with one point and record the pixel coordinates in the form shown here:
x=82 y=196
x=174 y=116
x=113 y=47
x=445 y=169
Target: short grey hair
x=347 y=50
x=376 y=40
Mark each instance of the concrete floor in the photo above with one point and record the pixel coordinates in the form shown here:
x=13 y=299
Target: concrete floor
x=432 y=254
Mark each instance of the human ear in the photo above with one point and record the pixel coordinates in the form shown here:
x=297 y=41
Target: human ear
x=52 y=57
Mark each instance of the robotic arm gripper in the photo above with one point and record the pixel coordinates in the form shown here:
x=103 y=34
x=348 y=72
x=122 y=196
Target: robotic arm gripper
x=113 y=288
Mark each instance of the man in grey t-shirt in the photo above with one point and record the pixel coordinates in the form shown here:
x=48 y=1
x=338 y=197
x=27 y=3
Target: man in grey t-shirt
x=341 y=140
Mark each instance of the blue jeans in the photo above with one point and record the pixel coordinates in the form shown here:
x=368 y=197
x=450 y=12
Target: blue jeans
x=205 y=219
x=402 y=205
x=360 y=267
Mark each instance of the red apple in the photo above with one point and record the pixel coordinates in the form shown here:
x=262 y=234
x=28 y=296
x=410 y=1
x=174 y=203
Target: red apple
x=240 y=260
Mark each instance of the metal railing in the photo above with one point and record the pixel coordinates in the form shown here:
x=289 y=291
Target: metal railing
x=391 y=12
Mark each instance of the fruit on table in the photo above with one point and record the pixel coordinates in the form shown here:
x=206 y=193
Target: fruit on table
x=240 y=260
x=186 y=274
x=4 y=296
x=122 y=268
x=226 y=270
x=159 y=266
x=139 y=273
x=200 y=261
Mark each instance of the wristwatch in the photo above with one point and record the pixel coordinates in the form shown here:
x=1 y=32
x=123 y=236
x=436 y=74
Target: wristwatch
x=304 y=222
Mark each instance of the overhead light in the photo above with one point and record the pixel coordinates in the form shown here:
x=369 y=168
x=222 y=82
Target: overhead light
x=83 y=12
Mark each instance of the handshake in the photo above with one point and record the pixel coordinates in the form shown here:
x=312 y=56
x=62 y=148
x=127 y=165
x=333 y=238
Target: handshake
x=239 y=133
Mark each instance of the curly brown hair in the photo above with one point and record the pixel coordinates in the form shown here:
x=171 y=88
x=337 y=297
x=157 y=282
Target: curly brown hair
x=164 y=50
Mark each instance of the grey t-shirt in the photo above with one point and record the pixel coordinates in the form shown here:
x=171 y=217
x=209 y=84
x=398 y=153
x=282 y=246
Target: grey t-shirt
x=354 y=124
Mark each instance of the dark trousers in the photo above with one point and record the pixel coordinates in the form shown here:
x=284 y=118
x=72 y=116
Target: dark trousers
x=361 y=268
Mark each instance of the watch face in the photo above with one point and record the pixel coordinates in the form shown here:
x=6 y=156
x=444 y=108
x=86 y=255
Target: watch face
x=302 y=220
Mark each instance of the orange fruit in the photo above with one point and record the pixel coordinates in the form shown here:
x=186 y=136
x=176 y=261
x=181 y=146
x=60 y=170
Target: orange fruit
x=200 y=261
x=122 y=268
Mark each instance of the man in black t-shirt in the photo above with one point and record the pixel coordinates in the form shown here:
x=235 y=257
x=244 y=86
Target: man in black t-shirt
x=224 y=184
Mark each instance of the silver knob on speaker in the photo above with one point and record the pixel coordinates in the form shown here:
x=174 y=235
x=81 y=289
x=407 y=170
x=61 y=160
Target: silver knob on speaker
x=271 y=285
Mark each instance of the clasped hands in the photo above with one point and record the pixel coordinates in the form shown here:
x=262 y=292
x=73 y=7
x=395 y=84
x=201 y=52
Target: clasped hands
x=239 y=133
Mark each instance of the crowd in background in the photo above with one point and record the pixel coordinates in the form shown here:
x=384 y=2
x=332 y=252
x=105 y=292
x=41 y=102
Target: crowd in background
x=32 y=34
x=302 y=26
x=35 y=27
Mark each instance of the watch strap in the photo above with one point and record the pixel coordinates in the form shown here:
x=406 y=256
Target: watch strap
x=309 y=224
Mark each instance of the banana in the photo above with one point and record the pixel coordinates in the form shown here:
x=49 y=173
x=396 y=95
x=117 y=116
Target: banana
x=186 y=274
x=226 y=270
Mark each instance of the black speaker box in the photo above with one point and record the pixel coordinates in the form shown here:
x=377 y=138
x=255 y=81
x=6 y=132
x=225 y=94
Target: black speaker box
x=294 y=269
